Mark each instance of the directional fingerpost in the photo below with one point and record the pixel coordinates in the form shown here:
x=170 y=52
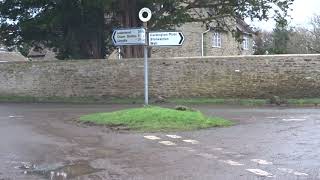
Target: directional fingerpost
x=141 y=36
x=166 y=38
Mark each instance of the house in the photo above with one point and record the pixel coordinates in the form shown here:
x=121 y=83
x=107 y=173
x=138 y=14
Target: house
x=211 y=41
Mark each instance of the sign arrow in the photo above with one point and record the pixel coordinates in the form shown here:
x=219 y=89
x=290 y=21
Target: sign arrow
x=113 y=37
x=182 y=38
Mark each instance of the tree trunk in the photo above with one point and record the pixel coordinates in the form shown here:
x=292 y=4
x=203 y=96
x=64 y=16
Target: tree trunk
x=129 y=19
x=92 y=46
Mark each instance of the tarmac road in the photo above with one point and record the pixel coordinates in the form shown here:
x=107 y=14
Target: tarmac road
x=42 y=141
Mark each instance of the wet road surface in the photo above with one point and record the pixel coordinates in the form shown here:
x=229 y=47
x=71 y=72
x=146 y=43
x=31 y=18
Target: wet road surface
x=42 y=141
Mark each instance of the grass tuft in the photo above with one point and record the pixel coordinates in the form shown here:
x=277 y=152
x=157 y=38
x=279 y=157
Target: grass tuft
x=156 y=119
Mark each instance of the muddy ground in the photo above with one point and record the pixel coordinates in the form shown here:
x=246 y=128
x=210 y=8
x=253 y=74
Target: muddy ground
x=42 y=141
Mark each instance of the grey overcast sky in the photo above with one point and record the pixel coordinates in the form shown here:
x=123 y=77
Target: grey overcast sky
x=302 y=12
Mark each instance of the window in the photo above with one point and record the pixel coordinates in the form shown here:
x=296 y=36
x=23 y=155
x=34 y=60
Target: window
x=246 y=42
x=216 y=39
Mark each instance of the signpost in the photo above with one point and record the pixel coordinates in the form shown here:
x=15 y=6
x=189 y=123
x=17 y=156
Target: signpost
x=137 y=36
x=125 y=37
x=145 y=16
x=166 y=38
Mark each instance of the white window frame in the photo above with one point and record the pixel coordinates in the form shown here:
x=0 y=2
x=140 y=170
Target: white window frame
x=246 y=42
x=216 y=40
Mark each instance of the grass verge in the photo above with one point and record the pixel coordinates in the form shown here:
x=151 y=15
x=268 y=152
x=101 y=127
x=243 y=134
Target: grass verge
x=244 y=102
x=303 y=102
x=183 y=101
x=154 y=119
x=71 y=100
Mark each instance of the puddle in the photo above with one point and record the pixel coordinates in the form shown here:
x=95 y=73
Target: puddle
x=58 y=171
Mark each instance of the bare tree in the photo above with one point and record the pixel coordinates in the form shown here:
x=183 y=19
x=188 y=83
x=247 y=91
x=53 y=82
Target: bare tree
x=303 y=40
x=315 y=34
x=299 y=41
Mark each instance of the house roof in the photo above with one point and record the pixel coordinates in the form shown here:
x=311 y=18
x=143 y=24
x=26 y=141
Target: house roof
x=243 y=27
x=42 y=53
x=238 y=24
x=11 y=56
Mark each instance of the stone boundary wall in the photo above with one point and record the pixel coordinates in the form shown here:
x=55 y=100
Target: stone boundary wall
x=288 y=76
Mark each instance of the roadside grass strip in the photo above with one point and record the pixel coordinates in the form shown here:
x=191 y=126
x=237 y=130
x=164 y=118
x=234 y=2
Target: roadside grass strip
x=191 y=141
x=261 y=161
x=260 y=172
x=231 y=163
x=152 y=137
x=167 y=143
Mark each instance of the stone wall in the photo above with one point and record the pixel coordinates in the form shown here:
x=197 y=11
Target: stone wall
x=296 y=76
